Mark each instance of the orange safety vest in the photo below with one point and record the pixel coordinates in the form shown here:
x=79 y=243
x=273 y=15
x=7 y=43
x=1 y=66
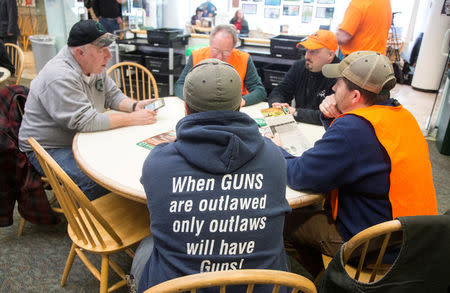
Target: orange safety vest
x=238 y=60
x=411 y=190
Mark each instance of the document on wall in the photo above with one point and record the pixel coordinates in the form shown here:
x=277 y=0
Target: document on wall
x=292 y=139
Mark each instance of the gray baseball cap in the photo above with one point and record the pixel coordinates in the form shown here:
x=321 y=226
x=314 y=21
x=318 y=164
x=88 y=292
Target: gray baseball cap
x=213 y=85
x=367 y=69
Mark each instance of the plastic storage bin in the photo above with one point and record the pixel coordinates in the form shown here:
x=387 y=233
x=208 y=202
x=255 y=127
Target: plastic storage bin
x=158 y=62
x=163 y=37
x=286 y=47
x=274 y=74
x=44 y=49
x=133 y=56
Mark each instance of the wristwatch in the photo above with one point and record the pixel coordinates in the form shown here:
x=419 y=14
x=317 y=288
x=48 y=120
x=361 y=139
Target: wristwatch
x=133 y=108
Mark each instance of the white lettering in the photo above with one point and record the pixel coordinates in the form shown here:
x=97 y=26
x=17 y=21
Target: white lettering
x=234 y=248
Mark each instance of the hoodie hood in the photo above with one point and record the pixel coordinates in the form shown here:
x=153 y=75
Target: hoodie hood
x=218 y=142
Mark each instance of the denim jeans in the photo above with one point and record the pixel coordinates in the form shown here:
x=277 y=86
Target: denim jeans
x=64 y=158
x=141 y=258
x=110 y=24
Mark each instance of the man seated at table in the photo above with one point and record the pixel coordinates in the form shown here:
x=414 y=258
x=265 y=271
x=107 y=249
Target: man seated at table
x=216 y=195
x=304 y=82
x=373 y=159
x=222 y=41
x=70 y=94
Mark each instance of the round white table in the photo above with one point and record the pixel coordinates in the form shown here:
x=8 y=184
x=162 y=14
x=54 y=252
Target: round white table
x=112 y=158
x=5 y=74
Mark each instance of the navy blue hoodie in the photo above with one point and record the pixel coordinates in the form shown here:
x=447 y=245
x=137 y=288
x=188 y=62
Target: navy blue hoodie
x=349 y=157
x=216 y=198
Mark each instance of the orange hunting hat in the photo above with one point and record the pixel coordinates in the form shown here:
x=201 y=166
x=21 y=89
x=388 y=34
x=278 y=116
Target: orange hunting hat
x=320 y=39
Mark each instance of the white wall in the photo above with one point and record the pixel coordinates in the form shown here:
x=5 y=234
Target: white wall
x=176 y=13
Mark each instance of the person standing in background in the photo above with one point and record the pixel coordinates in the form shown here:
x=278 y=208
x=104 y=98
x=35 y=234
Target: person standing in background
x=240 y=23
x=88 y=6
x=365 y=26
x=9 y=29
x=197 y=16
x=109 y=13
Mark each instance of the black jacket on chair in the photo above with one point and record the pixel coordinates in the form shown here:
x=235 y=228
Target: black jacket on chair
x=423 y=264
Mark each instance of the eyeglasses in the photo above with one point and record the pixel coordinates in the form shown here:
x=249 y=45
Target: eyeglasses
x=216 y=51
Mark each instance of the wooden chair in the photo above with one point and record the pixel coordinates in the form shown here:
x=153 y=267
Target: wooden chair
x=368 y=272
x=104 y=226
x=17 y=59
x=135 y=81
x=247 y=277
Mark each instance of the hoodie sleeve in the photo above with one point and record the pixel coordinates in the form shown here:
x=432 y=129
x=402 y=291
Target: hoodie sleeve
x=325 y=166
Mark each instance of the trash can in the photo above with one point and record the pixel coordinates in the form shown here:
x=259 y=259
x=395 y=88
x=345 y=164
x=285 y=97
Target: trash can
x=443 y=121
x=44 y=49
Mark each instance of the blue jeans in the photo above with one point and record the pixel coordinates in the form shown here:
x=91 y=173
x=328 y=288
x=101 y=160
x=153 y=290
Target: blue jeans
x=110 y=24
x=64 y=158
x=141 y=257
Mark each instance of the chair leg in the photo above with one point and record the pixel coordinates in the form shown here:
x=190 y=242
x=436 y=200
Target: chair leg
x=21 y=226
x=104 y=274
x=69 y=263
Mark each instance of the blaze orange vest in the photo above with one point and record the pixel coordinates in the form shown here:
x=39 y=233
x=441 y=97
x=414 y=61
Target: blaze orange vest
x=238 y=60
x=411 y=190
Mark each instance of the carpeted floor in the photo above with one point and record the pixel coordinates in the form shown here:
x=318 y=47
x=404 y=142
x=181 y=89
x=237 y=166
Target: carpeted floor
x=35 y=261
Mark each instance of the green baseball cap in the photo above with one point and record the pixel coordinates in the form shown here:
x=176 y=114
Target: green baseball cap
x=213 y=85
x=367 y=69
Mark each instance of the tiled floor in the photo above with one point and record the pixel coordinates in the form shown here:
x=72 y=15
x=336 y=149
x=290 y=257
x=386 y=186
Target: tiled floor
x=419 y=103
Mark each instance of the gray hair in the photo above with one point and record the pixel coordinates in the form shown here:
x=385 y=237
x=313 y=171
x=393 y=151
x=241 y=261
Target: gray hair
x=84 y=48
x=228 y=28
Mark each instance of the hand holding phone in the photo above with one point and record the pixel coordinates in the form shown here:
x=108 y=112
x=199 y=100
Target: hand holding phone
x=156 y=104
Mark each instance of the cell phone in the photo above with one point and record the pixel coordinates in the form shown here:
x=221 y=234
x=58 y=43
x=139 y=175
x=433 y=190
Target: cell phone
x=156 y=104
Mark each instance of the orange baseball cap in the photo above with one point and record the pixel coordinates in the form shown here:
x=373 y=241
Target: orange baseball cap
x=320 y=39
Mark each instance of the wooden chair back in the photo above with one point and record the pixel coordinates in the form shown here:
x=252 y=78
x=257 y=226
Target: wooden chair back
x=135 y=81
x=17 y=59
x=247 y=277
x=363 y=239
x=86 y=222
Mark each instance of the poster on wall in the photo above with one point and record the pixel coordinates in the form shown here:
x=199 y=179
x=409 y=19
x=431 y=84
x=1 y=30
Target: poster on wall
x=249 y=8
x=291 y=10
x=273 y=2
x=270 y=12
x=235 y=3
x=324 y=12
x=307 y=14
x=28 y=3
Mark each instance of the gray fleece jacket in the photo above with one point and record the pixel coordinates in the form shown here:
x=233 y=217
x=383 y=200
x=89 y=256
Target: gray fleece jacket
x=61 y=103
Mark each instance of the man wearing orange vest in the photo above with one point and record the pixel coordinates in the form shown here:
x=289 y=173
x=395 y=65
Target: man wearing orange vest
x=365 y=26
x=221 y=46
x=372 y=160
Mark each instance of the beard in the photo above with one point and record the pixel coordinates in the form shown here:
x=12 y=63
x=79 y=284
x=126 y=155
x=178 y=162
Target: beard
x=308 y=64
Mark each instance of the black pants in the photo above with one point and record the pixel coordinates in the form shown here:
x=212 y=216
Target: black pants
x=9 y=39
